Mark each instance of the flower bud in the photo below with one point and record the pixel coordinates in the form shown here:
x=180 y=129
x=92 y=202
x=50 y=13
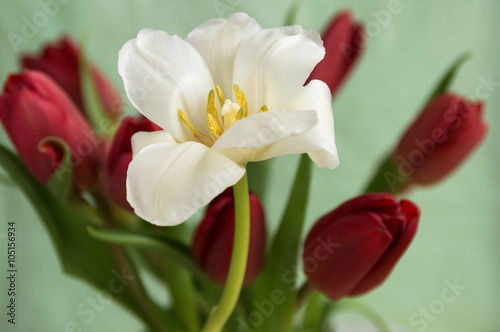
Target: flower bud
x=61 y=62
x=442 y=136
x=353 y=249
x=213 y=240
x=119 y=155
x=343 y=41
x=33 y=107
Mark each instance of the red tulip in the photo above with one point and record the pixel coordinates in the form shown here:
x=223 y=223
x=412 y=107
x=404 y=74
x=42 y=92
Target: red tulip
x=33 y=107
x=213 y=241
x=442 y=136
x=61 y=62
x=343 y=41
x=119 y=156
x=353 y=249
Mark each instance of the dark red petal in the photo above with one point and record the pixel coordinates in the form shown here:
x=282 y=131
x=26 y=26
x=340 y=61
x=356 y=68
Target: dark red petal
x=375 y=202
x=338 y=259
x=384 y=267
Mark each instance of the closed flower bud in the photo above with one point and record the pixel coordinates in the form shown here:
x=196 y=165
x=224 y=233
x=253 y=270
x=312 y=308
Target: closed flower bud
x=61 y=62
x=353 y=249
x=213 y=240
x=442 y=137
x=33 y=107
x=343 y=41
x=119 y=155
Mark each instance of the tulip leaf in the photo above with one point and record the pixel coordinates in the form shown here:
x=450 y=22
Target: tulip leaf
x=447 y=79
x=6 y=181
x=61 y=182
x=258 y=177
x=291 y=15
x=80 y=255
x=172 y=249
x=278 y=280
x=94 y=109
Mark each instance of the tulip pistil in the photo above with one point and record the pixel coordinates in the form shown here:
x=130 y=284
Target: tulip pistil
x=218 y=122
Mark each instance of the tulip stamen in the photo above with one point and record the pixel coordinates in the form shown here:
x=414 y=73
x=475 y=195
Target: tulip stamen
x=217 y=123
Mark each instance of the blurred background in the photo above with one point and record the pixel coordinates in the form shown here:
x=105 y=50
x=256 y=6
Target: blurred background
x=404 y=58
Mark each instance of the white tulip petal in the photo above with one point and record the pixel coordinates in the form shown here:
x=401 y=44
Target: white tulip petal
x=163 y=73
x=271 y=66
x=319 y=142
x=142 y=139
x=217 y=41
x=261 y=136
x=167 y=184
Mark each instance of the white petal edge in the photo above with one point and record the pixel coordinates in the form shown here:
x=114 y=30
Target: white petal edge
x=167 y=184
x=272 y=66
x=217 y=41
x=319 y=142
x=162 y=73
x=142 y=139
x=259 y=136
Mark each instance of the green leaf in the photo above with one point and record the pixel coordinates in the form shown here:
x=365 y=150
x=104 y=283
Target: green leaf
x=279 y=276
x=291 y=15
x=80 y=255
x=447 y=79
x=94 y=109
x=61 y=182
x=172 y=249
x=258 y=177
x=6 y=181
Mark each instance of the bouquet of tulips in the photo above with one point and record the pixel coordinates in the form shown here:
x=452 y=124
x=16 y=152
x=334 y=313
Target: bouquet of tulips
x=216 y=108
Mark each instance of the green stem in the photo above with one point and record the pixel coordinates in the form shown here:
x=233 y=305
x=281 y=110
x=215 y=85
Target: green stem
x=315 y=313
x=303 y=294
x=223 y=310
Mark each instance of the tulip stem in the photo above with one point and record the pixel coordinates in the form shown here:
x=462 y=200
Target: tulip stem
x=220 y=314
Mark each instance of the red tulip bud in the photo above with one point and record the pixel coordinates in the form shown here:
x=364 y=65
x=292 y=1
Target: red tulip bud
x=213 y=241
x=33 y=107
x=343 y=41
x=61 y=62
x=443 y=135
x=353 y=249
x=119 y=156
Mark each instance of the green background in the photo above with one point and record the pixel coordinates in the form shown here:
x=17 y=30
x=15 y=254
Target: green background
x=405 y=56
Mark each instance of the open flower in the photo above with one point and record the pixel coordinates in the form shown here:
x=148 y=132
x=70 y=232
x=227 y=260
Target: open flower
x=231 y=93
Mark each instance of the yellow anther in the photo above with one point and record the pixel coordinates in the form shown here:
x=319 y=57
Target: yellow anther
x=220 y=95
x=263 y=109
x=188 y=124
x=240 y=99
x=240 y=114
x=213 y=127
x=212 y=105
